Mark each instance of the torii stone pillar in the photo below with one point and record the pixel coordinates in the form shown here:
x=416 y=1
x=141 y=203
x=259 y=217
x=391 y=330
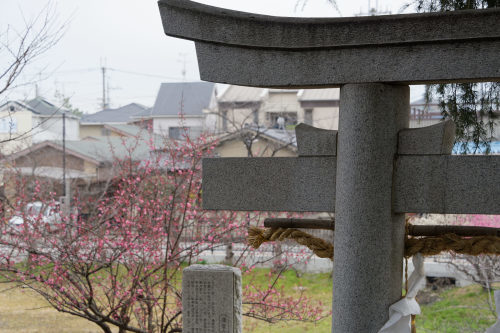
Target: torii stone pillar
x=369 y=236
x=379 y=170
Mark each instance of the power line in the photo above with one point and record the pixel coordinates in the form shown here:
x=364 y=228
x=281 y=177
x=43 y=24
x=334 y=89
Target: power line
x=94 y=69
x=82 y=70
x=147 y=74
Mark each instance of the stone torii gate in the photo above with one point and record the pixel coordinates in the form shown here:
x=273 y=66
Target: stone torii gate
x=374 y=170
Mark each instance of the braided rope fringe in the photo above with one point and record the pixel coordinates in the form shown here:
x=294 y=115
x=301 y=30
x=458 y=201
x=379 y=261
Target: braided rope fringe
x=320 y=247
x=427 y=246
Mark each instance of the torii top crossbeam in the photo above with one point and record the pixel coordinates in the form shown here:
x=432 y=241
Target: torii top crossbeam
x=307 y=52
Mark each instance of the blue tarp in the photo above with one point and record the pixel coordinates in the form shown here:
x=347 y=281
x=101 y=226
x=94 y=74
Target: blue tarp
x=472 y=149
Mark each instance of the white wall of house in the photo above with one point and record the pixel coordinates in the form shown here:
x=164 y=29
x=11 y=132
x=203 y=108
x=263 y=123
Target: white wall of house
x=20 y=128
x=326 y=117
x=15 y=126
x=166 y=125
x=51 y=128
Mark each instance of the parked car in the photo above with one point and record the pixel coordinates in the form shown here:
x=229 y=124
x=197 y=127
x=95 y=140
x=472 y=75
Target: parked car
x=37 y=210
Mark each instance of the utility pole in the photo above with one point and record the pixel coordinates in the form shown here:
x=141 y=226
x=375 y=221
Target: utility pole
x=65 y=190
x=104 y=102
x=373 y=11
x=183 y=61
x=37 y=88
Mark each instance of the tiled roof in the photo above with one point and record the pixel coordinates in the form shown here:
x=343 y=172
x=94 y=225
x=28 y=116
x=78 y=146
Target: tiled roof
x=119 y=115
x=129 y=130
x=188 y=98
x=44 y=107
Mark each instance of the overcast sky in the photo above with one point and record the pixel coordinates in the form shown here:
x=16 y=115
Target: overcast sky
x=126 y=36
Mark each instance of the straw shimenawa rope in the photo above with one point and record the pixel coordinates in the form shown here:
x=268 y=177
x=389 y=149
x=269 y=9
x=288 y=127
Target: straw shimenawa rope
x=320 y=247
x=427 y=246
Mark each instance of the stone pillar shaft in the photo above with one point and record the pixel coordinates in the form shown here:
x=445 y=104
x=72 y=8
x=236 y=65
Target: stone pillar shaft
x=368 y=235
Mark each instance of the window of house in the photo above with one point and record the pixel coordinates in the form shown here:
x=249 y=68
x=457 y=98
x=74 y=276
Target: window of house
x=105 y=131
x=290 y=118
x=8 y=125
x=308 y=117
x=178 y=133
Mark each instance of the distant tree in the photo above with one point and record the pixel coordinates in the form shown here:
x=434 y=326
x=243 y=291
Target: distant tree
x=65 y=103
x=119 y=266
x=473 y=107
x=20 y=47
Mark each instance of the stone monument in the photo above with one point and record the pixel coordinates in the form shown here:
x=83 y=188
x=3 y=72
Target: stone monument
x=375 y=169
x=211 y=299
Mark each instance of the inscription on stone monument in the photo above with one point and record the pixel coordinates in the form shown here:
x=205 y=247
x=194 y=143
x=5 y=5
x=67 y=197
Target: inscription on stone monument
x=211 y=299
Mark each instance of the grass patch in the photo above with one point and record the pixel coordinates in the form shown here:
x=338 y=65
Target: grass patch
x=453 y=310
x=317 y=287
x=23 y=310
x=457 y=310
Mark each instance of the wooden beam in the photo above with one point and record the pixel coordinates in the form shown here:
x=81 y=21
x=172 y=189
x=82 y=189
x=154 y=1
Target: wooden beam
x=299 y=223
x=413 y=230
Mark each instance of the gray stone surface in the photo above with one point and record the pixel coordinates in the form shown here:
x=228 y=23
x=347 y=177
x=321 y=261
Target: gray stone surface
x=312 y=141
x=368 y=235
x=408 y=49
x=423 y=184
x=273 y=184
x=448 y=184
x=431 y=140
x=375 y=188
x=195 y=21
x=404 y=64
x=211 y=299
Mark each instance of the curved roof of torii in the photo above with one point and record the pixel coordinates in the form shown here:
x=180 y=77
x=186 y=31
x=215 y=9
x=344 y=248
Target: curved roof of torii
x=265 y=51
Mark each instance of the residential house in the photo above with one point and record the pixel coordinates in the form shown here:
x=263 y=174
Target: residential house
x=424 y=113
x=117 y=130
x=180 y=109
x=87 y=163
x=257 y=142
x=320 y=107
x=95 y=125
x=25 y=123
x=239 y=107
